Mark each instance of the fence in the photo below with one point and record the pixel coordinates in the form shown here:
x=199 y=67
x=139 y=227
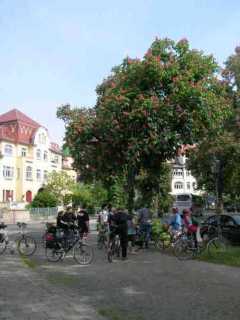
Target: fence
x=43 y=213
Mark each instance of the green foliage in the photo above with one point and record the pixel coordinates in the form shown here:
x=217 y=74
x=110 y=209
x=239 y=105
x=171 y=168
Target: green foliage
x=61 y=185
x=159 y=231
x=89 y=196
x=44 y=199
x=145 y=110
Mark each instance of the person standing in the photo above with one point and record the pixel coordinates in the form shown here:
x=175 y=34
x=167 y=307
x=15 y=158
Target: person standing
x=176 y=221
x=83 y=222
x=120 y=227
x=145 y=225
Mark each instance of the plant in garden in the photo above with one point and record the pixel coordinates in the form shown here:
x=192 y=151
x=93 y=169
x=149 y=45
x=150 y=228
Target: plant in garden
x=44 y=199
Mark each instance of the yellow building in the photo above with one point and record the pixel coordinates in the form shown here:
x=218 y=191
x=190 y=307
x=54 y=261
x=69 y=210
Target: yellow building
x=26 y=157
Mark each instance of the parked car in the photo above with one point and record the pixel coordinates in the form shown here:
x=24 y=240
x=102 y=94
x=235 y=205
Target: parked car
x=229 y=224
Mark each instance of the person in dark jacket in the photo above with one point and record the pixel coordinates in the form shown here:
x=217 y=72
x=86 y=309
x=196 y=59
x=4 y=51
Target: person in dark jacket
x=119 y=220
x=83 y=222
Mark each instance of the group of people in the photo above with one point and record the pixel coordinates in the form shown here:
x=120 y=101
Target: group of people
x=70 y=218
x=119 y=222
x=185 y=219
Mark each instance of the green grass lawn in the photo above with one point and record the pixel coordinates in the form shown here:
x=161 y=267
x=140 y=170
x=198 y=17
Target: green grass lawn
x=230 y=258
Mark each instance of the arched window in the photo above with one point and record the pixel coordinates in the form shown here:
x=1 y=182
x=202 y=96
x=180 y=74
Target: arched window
x=29 y=173
x=8 y=150
x=38 y=154
x=178 y=185
x=45 y=156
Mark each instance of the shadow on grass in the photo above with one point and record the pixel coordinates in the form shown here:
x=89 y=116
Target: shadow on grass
x=114 y=313
x=60 y=279
x=230 y=258
x=28 y=262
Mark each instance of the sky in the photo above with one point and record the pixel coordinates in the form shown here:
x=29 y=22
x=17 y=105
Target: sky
x=55 y=52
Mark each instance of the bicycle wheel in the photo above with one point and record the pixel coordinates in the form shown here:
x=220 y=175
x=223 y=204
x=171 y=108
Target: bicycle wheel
x=117 y=249
x=3 y=245
x=53 y=255
x=182 y=250
x=159 y=244
x=83 y=253
x=101 y=243
x=26 y=246
x=216 y=247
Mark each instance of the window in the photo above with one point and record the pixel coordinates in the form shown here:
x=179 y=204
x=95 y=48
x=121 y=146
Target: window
x=188 y=172
x=29 y=173
x=178 y=185
x=42 y=138
x=38 y=154
x=24 y=152
x=188 y=185
x=8 y=150
x=45 y=175
x=38 y=174
x=178 y=172
x=45 y=156
x=8 y=172
x=7 y=195
x=56 y=159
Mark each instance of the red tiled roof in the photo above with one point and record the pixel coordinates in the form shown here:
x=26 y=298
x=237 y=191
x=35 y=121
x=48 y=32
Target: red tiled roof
x=16 y=127
x=55 y=148
x=16 y=115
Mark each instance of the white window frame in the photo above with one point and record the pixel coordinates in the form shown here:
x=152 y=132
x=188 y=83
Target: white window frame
x=29 y=173
x=8 y=172
x=178 y=185
x=8 y=150
x=23 y=152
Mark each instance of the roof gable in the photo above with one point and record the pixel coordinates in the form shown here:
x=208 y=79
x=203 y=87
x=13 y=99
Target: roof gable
x=16 y=115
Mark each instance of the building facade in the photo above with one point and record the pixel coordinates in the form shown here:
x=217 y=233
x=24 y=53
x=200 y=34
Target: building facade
x=27 y=155
x=182 y=180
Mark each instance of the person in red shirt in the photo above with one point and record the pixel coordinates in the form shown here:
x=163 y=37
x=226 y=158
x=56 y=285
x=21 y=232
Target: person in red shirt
x=190 y=225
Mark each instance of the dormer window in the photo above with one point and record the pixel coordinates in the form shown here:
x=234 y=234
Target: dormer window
x=8 y=150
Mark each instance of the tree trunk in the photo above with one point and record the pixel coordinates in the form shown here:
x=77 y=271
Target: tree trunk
x=220 y=188
x=130 y=190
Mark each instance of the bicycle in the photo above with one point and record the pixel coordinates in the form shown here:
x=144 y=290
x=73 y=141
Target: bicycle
x=114 y=247
x=102 y=238
x=186 y=247
x=26 y=245
x=162 y=244
x=3 y=238
x=58 y=247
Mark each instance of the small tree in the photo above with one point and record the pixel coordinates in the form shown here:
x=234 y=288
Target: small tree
x=61 y=185
x=44 y=199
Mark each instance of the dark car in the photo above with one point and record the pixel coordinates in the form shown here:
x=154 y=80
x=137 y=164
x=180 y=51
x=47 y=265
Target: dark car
x=229 y=224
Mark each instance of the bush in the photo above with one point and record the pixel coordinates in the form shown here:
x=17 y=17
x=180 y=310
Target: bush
x=44 y=199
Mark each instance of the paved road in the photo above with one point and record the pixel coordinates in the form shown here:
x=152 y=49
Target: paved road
x=147 y=286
